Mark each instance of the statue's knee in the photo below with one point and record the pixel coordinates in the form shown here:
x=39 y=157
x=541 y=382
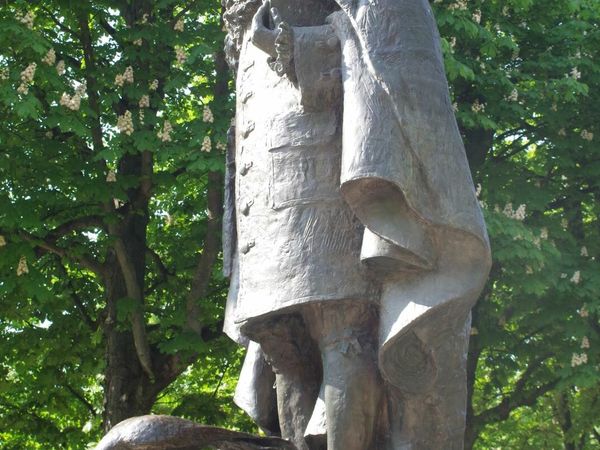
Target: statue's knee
x=345 y=328
x=287 y=344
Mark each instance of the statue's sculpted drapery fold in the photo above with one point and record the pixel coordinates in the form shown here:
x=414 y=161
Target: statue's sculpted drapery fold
x=397 y=227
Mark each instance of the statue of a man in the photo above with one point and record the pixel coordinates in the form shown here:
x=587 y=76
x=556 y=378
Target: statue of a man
x=354 y=240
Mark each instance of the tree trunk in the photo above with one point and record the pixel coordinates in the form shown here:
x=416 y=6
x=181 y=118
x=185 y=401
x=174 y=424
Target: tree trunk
x=128 y=391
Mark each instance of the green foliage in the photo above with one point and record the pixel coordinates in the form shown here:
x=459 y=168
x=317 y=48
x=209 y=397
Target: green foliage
x=525 y=79
x=108 y=77
x=205 y=390
x=525 y=82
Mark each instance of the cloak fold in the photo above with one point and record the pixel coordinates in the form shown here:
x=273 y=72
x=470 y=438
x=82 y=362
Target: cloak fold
x=406 y=177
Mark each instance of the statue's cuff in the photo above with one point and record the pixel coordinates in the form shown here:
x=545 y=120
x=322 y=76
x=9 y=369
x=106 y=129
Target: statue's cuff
x=282 y=64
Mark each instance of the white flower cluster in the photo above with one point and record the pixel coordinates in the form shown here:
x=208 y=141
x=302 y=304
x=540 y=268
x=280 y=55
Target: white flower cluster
x=179 y=25
x=4 y=74
x=514 y=96
x=125 y=123
x=72 y=103
x=81 y=89
x=460 y=5
x=562 y=132
x=144 y=18
x=28 y=74
x=584 y=252
x=575 y=73
x=60 y=67
x=2 y=241
x=585 y=342
x=576 y=278
x=221 y=146
x=26 y=78
x=26 y=19
x=180 y=55
x=138 y=42
x=206 y=144
x=154 y=85
x=125 y=77
x=111 y=176
x=165 y=134
x=88 y=426
x=453 y=41
x=587 y=135
x=477 y=16
x=518 y=214
x=544 y=233
x=144 y=101
x=50 y=57
x=583 y=312
x=477 y=107
x=207 y=115
x=578 y=359
x=22 y=267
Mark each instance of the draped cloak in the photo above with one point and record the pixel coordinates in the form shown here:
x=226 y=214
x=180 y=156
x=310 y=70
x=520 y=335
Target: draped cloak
x=405 y=175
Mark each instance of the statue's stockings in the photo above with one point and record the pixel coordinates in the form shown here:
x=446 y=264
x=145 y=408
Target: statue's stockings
x=328 y=384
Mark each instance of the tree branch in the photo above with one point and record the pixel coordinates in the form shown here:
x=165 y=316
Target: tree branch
x=91 y=323
x=58 y=23
x=89 y=263
x=164 y=272
x=140 y=338
x=212 y=241
x=518 y=397
x=107 y=27
x=82 y=399
x=75 y=224
x=90 y=79
x=209 y=254
x=190 y=5
x=162 y=269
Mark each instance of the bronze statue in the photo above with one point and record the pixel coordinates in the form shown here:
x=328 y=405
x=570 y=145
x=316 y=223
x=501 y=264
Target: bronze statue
x=354 y=240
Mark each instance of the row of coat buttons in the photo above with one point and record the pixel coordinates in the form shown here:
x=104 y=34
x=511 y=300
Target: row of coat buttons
x=245 y=210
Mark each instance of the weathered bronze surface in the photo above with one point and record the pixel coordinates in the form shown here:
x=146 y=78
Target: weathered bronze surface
x=354 y=240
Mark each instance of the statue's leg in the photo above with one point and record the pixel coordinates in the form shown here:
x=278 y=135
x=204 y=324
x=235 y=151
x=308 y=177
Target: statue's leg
x=295 y=359
x=346 y=332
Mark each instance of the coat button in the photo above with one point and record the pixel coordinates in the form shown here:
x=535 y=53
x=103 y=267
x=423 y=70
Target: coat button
x=247 y=96
x=247 y=246
x=245 y=168
x=249 y=129
x=246 y=209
